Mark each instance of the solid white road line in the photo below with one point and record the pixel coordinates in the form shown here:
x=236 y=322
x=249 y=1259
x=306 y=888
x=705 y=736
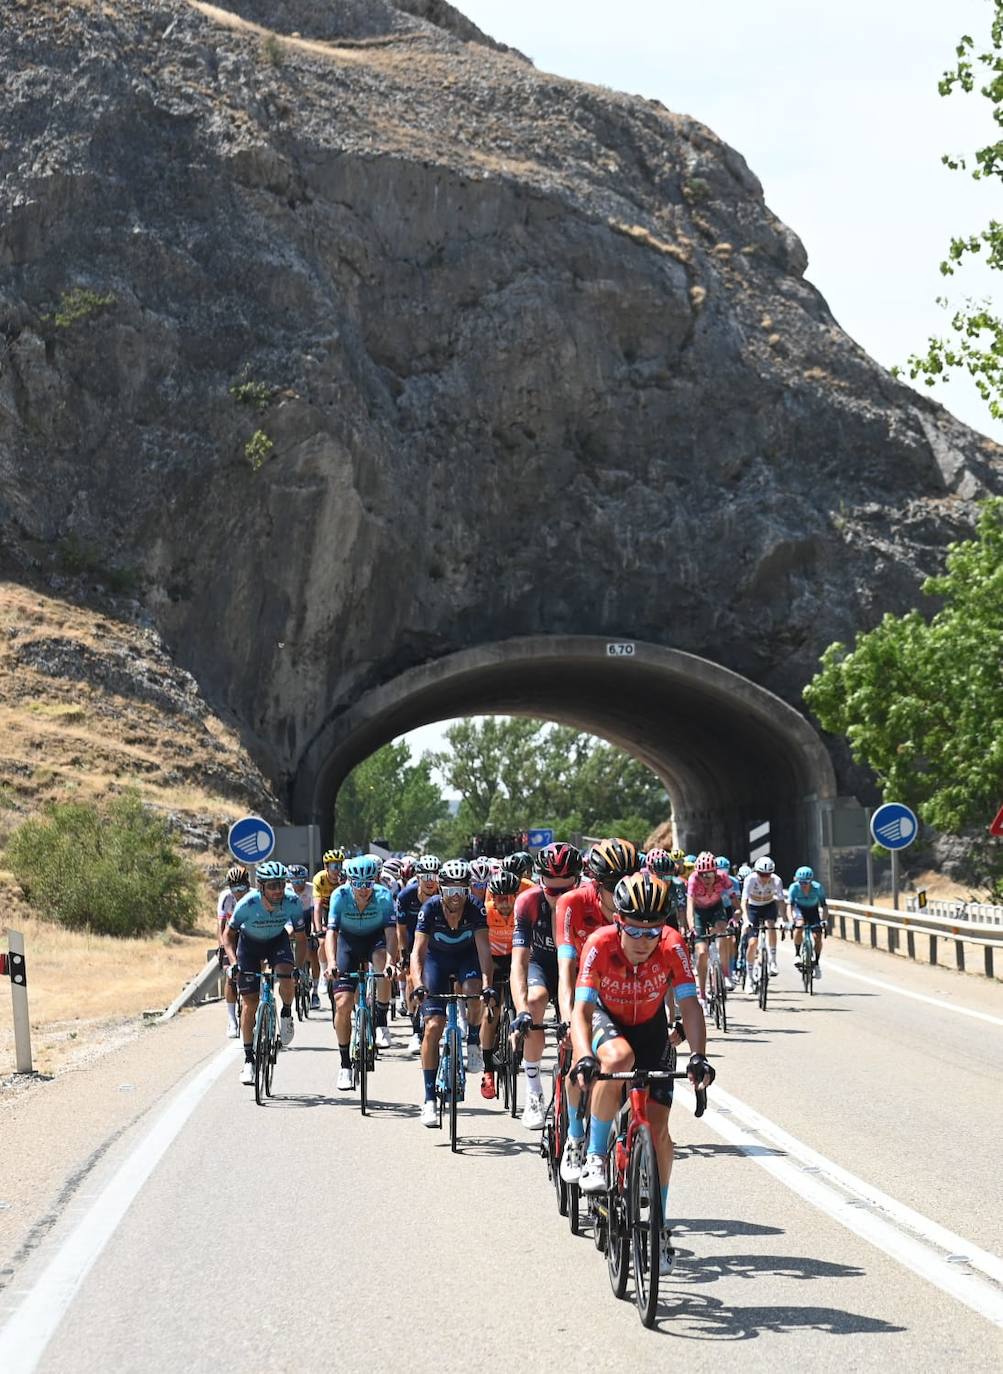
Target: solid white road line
x=845 y=972
x=922 y=1245
x=28 y=1331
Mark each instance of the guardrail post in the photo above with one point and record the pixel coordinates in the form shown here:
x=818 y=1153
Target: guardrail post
x=959 y=950
x=842 y=926
x=16 y=967
x=933 y=949
x=874 y=935
x=988 y=955
x=856 y=931
x=910 y=943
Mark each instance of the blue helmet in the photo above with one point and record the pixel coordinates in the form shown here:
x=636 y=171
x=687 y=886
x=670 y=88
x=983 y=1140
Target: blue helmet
x=363 y=870
x=297 y=873
x=804 y=874
x=722 y=863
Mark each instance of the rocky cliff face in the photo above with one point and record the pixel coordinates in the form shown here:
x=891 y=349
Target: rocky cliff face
x=354 y=339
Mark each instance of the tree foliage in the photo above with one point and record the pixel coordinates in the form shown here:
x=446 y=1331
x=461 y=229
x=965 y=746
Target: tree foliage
x=388 y=797
x=114 y=870
x=921 y=701
x=976 y=339
x=514 y=774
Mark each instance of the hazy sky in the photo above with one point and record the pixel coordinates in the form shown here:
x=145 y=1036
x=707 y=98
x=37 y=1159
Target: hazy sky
x=836 y=110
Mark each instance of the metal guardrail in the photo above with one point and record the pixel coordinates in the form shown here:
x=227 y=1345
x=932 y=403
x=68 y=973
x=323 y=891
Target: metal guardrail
x=989 y=938
x=205 y=985
x=978 y=913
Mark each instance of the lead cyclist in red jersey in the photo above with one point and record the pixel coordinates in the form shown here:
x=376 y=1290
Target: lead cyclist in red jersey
x=619 y=1023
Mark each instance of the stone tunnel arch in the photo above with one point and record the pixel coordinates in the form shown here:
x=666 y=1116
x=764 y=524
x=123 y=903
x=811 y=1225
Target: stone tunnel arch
x=730 y=753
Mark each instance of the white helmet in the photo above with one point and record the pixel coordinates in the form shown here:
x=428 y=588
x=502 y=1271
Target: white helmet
x=765 y=865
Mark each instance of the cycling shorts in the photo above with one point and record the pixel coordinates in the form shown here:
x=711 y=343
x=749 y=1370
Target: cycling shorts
x=759 y=914
x=251 y=954
x=706 y=918
x=808 y=916
x=440 y=967
x=502 y=973
x=650 y=1042
x=543 y=971
x=352 y=954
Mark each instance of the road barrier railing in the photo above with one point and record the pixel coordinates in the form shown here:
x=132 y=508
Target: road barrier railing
x=909 y=928
x=974 y=913
x=207 y=985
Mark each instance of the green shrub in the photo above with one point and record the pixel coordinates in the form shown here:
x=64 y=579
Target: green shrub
x=257 y=395
x=257 y=449
x=114 y=870
x=79 y=304
x=76 y=557
x=272 y=50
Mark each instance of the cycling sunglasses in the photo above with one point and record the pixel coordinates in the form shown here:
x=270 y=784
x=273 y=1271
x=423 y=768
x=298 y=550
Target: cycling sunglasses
x=240 y=887
x=641 y=932
x=454 y=891
x=273 y=884
x=359 y=883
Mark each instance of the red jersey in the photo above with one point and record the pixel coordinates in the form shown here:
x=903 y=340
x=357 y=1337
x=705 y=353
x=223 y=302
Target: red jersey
x=579 y=914
x=633 y=993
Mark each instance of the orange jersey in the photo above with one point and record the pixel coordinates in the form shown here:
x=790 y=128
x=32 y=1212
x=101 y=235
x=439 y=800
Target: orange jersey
x=579 y=914
x=499 y=927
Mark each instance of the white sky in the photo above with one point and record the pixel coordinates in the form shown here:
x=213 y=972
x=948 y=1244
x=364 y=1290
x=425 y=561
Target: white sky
x=836 y=110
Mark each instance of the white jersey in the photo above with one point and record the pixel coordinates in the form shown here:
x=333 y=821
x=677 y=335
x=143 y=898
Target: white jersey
x=763 y=888
x=225 y=903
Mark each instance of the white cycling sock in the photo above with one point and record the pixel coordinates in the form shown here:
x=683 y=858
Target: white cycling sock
x=231 y=1013
x=532 y=1077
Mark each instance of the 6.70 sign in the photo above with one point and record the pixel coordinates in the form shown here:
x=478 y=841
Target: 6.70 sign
x=622 y=649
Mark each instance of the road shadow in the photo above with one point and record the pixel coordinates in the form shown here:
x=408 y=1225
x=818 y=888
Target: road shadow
x=693 y=1317
x=726 y=1226
x=692 y=1268
x=495 y=1146
x=711 y=1149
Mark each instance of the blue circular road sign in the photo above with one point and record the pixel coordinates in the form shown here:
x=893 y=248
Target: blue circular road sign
x=251 y=840
x=895 y=826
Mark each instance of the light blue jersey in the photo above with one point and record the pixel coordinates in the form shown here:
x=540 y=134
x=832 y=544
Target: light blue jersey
x=815 y=896
x=343 y=913
x=253 y=918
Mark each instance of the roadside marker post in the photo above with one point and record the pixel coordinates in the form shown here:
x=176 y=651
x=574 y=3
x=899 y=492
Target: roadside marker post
x=894 y=826
x=15 y=966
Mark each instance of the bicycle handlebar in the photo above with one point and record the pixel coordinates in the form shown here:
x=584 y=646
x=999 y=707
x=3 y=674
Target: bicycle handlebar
x=641 y=1077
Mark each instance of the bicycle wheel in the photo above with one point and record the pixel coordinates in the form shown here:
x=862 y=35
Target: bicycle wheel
x=764 y=983
x=272 y=1044
x=261 y=1050
x=502 y=1051
x=723 y=999
x=644 y=1210
x=552 y=1134
x=617 y=1242
x=715 y=995
x=513 y=1082
x=371 y=1022
x=362 y=1051
x=454 y=1090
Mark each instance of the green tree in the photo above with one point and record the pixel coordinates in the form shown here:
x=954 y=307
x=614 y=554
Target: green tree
x=976 y=339
x=514 y=773
x=921 y=701
x=112 y=869
x=388 y=796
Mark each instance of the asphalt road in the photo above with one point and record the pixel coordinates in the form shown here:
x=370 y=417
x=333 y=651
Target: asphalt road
x=270 y=1238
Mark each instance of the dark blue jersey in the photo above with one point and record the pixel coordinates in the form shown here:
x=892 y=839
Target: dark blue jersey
x=443 y=937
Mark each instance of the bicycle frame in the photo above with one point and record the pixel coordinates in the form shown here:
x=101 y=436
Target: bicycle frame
x=451 y=1075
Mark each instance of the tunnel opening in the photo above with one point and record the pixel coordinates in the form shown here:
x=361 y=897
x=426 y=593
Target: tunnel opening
x=731 y=755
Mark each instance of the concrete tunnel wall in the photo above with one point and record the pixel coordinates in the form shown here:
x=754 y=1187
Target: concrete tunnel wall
x=730 y=753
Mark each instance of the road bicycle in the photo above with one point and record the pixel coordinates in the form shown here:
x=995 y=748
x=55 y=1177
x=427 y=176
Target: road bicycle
x=266 y=1037
x=555 y=1130
x=362 y=1047
x=628 y=1215
x=717 y=993
x=806 y=957
x=451 y=1076
x=508 y=1057
x=303 y=991
x=761 y=982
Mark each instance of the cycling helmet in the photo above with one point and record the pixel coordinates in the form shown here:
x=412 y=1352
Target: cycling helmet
x=363 y=870
x=407 y=867
x=765 y=865
x=393 y=868
x=689 y=860
x=676 y=855
x=524 y=862
x=297 y=873
x=611 y=860
x=559 y=861
x=744 y=872
x=480 y=871
x=427 y=866
x=333 y=856
x=804 y=874
x=504 y=883
x=512 y=863
x=641 y=895
x=659 y=862
x=722 y=863
x=704 y=862
x=237 y=877
x=455 y=873
x=270 y=871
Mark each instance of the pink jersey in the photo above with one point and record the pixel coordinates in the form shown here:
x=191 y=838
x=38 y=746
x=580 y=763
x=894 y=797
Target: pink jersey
x=706 y=895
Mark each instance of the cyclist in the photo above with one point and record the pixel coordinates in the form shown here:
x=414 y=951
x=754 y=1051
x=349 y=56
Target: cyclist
x=238 y=884
x=660 y=864
x=581 y=912
x=480 y=872
x=761 y=892
x=706 y=914
x=304 y=943
x=521 y=864
x=806 y=910
x=361 y=929
x=451 y=942
x=619 y=1024
x=390 y=876
x=737 y=926
x=410 y=901
x=258 y=931
x=499 y=908
x=534 y=963
x=325 y=880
